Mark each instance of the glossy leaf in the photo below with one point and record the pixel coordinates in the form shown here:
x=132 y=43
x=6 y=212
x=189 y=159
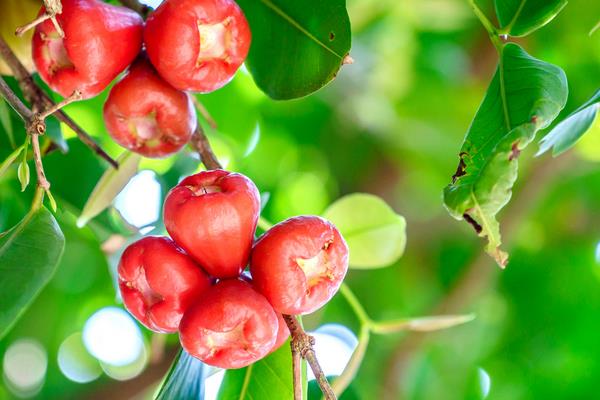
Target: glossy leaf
x=521 y=17
x=375 y=234
x=297 y=46
x=524 y=96
x=565 y=134
x=269 y=378
x=6 y=122
x=185 y=379
x=109 y=186
x=29 y=253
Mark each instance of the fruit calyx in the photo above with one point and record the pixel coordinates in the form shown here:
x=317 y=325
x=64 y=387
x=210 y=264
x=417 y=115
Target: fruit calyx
x=215 y=41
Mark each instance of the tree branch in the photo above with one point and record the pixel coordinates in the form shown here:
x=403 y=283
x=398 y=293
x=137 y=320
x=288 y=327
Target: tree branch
x=136 y=6
x=296 y=371
x=38 y=98
x=302 y=344
x=202 y=146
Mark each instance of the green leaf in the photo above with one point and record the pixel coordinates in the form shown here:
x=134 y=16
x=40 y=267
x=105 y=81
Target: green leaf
x=51 y=200
x=566 y=133
x=10 y=160
x=524 y=96
x=521 y=17
x=297 y=46
x=54 y=132
x=29 y=253
x=375 y=234
x=185 y=379
x=269 y=378
x=23 y=174
x=6 y=122
x=109 y=186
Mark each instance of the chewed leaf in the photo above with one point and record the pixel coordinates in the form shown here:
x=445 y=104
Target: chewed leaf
x=524 y=96
x=375 y=234
x=521 y=17
x=109 y=186
x=572 y=128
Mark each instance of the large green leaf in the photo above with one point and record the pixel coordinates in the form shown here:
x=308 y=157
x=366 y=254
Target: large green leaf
x=297 y=46
x=29 y=253
x=185 y=379
x=521 y=17
x=269 y=378
x=6 y=122
x=375 y=234
x=564 y=135
x=524 y=96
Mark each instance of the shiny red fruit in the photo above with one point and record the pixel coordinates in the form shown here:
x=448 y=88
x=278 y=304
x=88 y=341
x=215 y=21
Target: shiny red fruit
x=197 y=45
x=145 y=114
x=299 y=264
x=100 y=41
x=231 y=326
x=213 y=216
x=158 y=282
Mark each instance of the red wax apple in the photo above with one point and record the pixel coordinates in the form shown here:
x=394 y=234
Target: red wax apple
x=299 y=264
x=213 y=216
x=145 y=114
x=100 y=41
x=197 y=45
x=158 y=282
x=230 y=326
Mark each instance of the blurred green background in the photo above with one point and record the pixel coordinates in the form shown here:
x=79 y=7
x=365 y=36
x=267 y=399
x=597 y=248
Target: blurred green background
x=390 y=124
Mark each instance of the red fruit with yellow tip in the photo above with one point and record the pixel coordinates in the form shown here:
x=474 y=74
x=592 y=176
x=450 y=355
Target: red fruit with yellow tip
x=145 y=114
x=230 y=326
x=197 y=45
x=158 y=282
x=212 y=215
x=299 y=264
x=100 y=41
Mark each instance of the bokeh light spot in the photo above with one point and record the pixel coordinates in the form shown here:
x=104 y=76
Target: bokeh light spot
x=112 y=336
x=75 y=362
x=24 y=365
x=334 y=345
x=139 y=201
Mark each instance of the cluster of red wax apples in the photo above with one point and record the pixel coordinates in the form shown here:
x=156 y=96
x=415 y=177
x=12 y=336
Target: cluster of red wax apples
x=190 y=46
x=196 y=282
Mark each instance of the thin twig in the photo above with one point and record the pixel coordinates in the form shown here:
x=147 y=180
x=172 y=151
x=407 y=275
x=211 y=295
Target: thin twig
x=302 y=343
x=53 y=7
x=35 y=95
x=202 y=146
x=14 y=101
x=297 y=372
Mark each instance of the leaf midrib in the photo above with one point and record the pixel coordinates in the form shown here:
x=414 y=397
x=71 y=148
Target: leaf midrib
x=296 y=25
